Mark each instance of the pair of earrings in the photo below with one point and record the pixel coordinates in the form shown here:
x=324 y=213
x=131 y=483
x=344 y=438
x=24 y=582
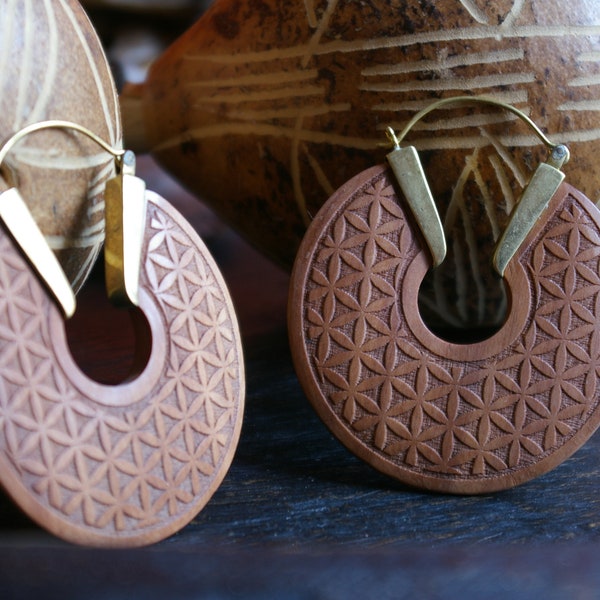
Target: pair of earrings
x=456 y=418
x=130 y=464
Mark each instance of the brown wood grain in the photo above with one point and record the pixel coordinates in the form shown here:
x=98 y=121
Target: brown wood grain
x=444 y=415
x=298 y=515
x=128 y=463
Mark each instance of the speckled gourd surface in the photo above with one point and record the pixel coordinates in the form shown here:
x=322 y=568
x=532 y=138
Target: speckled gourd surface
x=52 y=66
x=264 y=107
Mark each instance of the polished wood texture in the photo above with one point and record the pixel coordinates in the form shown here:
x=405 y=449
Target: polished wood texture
x=130 y=463
x=453 y=417
x=298 y=516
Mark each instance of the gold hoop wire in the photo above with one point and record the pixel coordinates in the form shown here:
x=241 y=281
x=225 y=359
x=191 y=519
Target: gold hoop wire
x=56 y=124
x=457 y=101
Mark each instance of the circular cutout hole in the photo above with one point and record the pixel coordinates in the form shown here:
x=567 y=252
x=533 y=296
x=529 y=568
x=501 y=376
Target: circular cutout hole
x=110 y=345
x=462 y=316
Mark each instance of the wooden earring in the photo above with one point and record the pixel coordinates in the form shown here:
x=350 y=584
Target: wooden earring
x=456 y=418
x=130 y=464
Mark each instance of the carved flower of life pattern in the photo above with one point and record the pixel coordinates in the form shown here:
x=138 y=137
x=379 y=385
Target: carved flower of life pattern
x=433 y=413
x=150 y=464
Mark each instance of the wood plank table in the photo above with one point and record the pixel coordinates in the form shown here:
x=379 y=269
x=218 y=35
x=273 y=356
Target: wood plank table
x=298 y=516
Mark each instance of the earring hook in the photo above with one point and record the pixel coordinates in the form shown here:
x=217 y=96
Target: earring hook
x=56 y=124
x=410 y=175
x=458 y=101
x=26 y=233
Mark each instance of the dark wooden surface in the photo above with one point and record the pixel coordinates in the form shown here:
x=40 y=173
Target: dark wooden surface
x=297 y=515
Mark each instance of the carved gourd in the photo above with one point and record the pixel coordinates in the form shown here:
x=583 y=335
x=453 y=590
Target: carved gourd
x=52 y=66
x=264 y=108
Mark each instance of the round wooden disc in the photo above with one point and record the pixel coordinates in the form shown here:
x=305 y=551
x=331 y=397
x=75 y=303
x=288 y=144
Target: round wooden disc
x=458 y=418
x=122 y=465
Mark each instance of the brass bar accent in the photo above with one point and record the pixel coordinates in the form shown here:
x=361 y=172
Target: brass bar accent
x=27 y=235
x=534 y=199
x=125 y=198
x=410 y=176
x=21 y=225
x=125 y=201
x=543 y=185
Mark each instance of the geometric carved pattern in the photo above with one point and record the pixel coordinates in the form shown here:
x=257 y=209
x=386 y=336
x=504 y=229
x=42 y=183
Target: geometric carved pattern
x=130 y=464
x=456 y=418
